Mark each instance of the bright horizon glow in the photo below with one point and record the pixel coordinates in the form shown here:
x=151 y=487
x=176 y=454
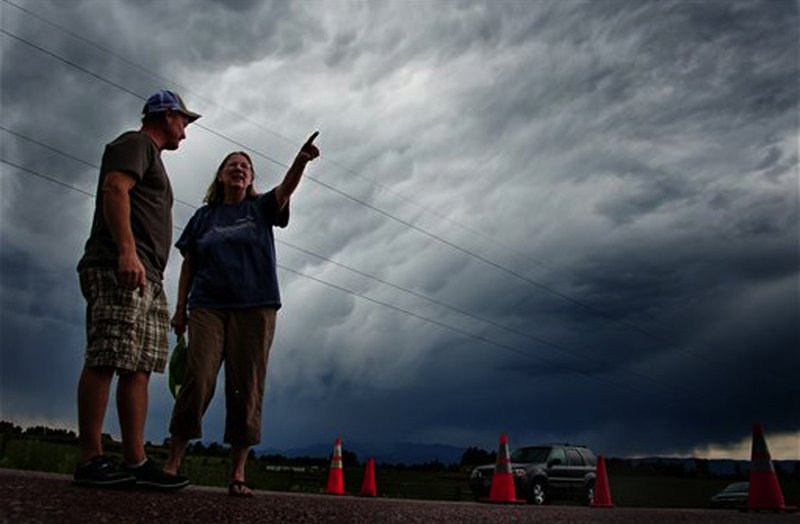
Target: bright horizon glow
x=782 y=446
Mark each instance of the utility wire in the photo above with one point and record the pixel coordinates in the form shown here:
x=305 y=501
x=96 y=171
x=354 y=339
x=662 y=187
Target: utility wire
x=70 y=63
x=68 y=155
x=387 y=305
x=499 y=267
x=516 y=274
x=355 y=271
x=258 y=125
x=149 y=72
x=48 y=178
x=609 y=317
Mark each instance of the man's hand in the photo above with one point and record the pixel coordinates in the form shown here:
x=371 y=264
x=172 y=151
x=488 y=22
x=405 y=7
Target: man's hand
x=117 y=210
x=309 y=151
x=131 y=273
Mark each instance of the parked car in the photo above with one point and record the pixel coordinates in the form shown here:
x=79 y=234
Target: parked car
x=544 y=472
x=733 y=496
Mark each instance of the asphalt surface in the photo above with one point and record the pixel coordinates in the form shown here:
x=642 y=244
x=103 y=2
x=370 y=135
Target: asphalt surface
x=43 y=497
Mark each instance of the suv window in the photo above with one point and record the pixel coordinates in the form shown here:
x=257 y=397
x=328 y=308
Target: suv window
x=558 y=454
x=574 y=458
x=588 y=456
x=534 y=455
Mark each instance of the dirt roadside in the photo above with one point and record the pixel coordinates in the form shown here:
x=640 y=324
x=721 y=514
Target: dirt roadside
x=33 y=497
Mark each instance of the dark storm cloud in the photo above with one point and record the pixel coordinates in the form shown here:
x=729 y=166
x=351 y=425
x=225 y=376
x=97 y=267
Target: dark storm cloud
x=41 y=338
x=631 y=166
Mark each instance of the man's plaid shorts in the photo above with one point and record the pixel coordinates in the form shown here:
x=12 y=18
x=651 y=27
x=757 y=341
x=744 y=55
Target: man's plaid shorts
x=124 y=330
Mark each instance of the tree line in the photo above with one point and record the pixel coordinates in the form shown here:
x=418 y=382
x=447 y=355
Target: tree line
x=472 y=456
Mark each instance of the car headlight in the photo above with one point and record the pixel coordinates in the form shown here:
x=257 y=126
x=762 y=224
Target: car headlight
x=520 y=472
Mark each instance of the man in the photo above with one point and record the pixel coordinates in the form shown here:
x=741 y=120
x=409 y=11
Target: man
x=121 y=275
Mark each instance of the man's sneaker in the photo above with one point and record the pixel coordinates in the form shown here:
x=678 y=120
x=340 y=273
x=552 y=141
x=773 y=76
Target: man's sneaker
x=150 y=476
x=102 y=472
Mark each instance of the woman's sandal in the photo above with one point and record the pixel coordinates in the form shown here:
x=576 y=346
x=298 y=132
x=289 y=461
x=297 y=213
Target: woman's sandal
x=238 y=488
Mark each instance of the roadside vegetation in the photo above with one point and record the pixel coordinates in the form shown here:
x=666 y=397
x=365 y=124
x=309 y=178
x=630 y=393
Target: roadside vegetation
x=633 y=484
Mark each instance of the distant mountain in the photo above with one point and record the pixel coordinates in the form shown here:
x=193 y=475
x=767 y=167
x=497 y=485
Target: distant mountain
x=410 y=453
x=392 y=453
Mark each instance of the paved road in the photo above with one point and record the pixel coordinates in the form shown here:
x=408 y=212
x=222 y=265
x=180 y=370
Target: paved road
x=44 y=497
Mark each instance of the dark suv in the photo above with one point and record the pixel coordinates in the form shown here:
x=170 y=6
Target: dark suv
x=542 y=472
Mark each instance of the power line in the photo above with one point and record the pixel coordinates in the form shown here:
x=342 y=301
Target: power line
x=48 y=178
x=375 y=278
x=258 y=125
x=387 y=305
x=499 y=267
x=518 y=332
x=144 y=69
x=510 y=272
x=383 y=281
x=479 y=338
x=609 y=317
x=68 y=155
x=69 y=62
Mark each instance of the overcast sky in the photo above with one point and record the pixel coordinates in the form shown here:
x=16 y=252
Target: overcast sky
x=567 y=221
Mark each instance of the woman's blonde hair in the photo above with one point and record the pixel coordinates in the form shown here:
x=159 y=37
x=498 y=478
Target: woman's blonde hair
x=215 y=194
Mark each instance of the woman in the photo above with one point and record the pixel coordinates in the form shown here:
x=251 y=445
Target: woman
x=229 y=285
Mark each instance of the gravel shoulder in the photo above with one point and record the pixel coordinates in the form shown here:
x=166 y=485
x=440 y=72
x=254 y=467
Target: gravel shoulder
x=44 y=497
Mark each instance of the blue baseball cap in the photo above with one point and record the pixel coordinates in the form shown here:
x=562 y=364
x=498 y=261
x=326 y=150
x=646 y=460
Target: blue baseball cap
x=164 y=100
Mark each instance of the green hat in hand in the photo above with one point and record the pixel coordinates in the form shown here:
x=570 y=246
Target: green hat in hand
x=177 y=366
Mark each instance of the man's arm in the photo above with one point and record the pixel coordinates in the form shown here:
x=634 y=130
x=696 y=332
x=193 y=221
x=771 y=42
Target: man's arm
x=290 y=182
x=117 y=212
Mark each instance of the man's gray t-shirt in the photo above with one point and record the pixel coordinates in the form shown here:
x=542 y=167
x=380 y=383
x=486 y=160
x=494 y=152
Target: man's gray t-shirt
x=136 y=154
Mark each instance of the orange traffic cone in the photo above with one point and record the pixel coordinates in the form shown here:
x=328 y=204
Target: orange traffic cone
x=336 y=474
x=765 y=491
x=602 y=493
x=368 y=488
x=502 y=489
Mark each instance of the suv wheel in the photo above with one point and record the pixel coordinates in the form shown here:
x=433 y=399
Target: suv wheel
x=537 y=494
x=590 y=494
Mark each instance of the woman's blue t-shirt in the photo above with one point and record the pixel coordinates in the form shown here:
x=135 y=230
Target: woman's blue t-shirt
x=233 y=250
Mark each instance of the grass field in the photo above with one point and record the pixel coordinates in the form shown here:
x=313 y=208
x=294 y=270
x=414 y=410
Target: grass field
x=626 y=491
